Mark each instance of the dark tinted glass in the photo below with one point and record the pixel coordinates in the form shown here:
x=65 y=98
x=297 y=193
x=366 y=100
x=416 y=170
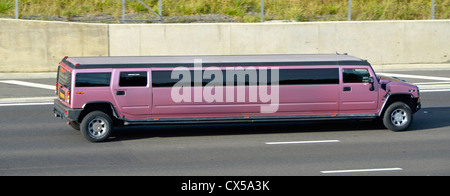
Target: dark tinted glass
x=356 y=75
x=133 y=79
x=309 y=76
x=162 y=79
x=286 y=77
x=64 y=77
x=92 y=79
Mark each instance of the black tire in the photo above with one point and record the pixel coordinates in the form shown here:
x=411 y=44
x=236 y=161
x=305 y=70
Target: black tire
x=96 y=126
x=398 y=116
x=75 y=125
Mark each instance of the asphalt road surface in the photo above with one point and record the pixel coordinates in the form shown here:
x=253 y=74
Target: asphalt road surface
x=34 y=142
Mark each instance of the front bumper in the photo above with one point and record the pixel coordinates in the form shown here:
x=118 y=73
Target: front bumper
x=62 y=111
x=419 y=105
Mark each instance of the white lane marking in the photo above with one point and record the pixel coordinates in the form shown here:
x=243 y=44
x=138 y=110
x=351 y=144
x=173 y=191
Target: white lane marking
x=434 y=90
x=426 y=86
x=416 y=76
x=431 y=83
x=26 y=100
x=23 y=101
x=24 y=104
x=434 y=86
x=361 y=170
x=29 y=84
x=303 y=142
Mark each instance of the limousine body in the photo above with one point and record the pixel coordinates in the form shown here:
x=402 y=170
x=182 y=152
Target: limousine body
x=96 y=94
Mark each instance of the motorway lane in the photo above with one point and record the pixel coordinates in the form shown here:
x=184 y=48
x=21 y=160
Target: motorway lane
x=14 y=91
x=33 y=142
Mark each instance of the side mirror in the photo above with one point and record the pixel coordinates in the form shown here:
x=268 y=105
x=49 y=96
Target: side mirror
x=371 y=81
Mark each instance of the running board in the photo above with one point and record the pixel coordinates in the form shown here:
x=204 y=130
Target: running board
x=245 y=119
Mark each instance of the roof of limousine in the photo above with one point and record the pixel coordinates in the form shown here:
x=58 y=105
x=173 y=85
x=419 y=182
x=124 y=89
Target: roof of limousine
x=212 y=60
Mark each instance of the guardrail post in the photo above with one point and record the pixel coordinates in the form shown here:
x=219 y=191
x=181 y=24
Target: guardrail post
x=432 y=10
x=123 y=11
x=160 y=8
x=349 y=16
x=262 y=10
x=17 y=9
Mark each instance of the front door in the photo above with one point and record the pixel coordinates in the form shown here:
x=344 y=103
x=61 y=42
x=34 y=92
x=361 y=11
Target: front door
x=357 y=95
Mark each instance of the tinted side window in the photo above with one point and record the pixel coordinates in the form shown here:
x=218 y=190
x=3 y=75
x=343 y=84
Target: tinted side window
x=162 y=79
x=92 y=79
x=356 y=75
x=286 y=77
x=309 y=76
x=133 y=79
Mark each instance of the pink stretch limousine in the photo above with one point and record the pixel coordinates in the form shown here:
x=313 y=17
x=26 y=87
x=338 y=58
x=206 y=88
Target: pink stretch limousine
x=96 y=94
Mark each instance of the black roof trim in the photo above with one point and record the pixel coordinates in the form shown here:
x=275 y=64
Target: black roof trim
x=212 y=60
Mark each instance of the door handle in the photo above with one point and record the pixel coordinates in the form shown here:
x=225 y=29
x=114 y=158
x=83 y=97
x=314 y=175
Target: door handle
x=120 y=93
x=347 y=88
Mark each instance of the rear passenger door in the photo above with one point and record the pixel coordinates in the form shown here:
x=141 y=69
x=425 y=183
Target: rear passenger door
x=132 y=92
x=309 y=90
x=357 y=96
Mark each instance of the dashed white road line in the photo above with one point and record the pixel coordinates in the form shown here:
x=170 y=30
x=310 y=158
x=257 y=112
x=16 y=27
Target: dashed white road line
x=303 y=142
x=362 y=170
x=431 y=83
x=21 y=101
x=434 y=90
x=426 y=86
x=24 y=104
x=27 y=101
x=416 y=76
x=336 y=171
x=433 y=86
x=29 y=84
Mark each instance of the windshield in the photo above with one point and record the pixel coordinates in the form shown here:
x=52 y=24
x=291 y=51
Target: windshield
x=64 y=77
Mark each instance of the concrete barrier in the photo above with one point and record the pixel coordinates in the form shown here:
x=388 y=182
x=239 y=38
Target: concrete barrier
x=38 y=46
x=381 y=42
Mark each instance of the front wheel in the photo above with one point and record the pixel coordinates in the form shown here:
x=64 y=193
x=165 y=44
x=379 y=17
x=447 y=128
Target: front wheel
x=96 y=126
x=398 y=116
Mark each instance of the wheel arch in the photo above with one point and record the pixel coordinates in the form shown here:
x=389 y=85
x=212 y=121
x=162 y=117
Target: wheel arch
x=406 y=98
x=104 y=106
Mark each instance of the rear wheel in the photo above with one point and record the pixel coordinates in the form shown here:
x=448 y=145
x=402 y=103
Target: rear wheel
x=96 y=126
x=398 y=116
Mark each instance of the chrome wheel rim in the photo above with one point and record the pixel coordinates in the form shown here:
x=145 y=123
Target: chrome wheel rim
x=98 y=127
x=399 y=117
